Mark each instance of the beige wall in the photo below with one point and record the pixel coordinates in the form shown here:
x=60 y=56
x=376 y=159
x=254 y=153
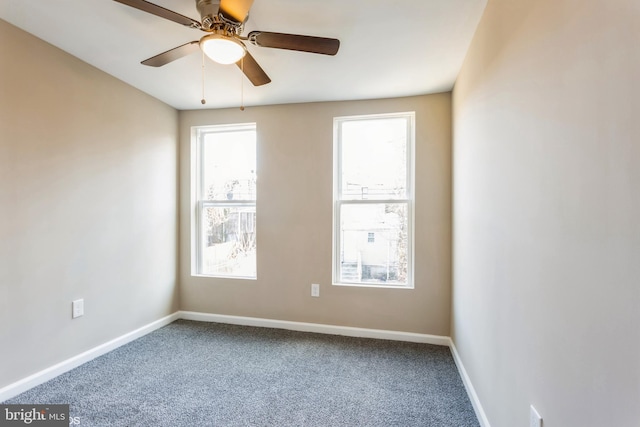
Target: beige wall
x=546 y=289
x=294 y=221
x=88 y=169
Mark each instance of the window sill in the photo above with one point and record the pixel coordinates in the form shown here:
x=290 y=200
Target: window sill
x=373 y=285
x=206 y=276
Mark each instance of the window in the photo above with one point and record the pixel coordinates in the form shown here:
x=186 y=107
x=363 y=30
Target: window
x=225 y=201
x=373 y=200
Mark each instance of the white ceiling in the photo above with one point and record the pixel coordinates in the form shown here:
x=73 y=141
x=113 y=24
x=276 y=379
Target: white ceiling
x=388 y=48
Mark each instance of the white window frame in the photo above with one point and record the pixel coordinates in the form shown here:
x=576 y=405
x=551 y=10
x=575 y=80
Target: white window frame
x=338 y=202
x=199 y=204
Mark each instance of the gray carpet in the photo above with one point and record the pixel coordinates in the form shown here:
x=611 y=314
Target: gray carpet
x=208 y=374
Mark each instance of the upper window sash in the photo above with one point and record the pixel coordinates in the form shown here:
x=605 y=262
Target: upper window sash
x=389 y=175
x=243 y=189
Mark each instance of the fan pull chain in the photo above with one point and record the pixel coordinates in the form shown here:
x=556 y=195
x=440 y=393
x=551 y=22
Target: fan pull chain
x=203 y=101
x=242 y=84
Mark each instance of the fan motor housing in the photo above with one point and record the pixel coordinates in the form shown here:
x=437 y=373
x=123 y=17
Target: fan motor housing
x=208 y=10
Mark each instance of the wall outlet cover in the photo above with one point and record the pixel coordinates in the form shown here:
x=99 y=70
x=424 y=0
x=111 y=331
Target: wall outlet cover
x=77 y=308
x=535 y=420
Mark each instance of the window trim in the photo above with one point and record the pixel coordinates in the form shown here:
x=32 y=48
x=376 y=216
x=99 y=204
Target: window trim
x=198 y=205
x=338 y=202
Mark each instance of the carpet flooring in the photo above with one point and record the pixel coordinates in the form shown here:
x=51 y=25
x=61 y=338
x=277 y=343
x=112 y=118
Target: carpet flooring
x=209 y=374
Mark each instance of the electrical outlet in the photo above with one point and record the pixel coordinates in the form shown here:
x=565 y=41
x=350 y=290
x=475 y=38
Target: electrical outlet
x=77 y=308
x=535 y=420
x=315 y=290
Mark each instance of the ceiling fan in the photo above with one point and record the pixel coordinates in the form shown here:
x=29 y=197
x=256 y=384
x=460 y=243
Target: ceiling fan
x=223 y=21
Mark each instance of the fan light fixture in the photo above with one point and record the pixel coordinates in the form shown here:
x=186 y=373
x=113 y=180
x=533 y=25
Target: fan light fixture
x=222 y=49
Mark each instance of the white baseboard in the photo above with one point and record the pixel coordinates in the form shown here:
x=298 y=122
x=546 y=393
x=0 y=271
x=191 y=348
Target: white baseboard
x=471 y=391
x=317 y=328
x=45 y=375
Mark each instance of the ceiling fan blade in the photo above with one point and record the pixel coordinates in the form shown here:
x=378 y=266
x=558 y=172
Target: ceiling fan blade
x=253 y=70
x=238 y=10
x=297 y=42
x=172 y=54
x=160 y=11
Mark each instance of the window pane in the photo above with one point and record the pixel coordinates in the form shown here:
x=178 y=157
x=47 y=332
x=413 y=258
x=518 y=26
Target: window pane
x=382 y=259
x=374 y=159
x=229 y=241
x=229 y=169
